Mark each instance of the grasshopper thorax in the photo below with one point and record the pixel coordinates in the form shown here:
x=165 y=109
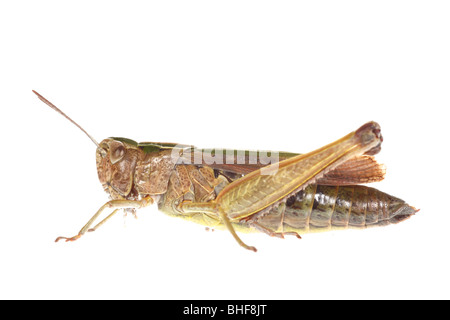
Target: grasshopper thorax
x=116 y=162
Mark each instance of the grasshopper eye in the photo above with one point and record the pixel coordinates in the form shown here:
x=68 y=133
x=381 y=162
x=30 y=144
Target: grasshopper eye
x=117 y=151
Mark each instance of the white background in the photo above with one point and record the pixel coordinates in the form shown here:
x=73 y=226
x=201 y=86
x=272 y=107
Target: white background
x=277 y=75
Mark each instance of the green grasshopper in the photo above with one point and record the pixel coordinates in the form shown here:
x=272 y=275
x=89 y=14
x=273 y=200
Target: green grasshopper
x=240 y=190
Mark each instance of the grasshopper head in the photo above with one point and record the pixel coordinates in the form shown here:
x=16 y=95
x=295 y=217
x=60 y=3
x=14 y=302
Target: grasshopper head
x=116 y=162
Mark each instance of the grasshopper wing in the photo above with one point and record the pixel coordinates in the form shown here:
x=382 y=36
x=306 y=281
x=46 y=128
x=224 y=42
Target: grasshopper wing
x=361 y=169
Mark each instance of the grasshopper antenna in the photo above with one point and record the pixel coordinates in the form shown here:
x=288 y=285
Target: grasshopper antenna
x=51 y=105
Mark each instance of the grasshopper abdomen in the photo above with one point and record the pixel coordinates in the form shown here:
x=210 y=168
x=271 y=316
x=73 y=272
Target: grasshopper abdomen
x=322 y=207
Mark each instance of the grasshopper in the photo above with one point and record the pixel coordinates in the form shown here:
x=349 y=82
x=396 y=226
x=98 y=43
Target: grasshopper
x=241 y=191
